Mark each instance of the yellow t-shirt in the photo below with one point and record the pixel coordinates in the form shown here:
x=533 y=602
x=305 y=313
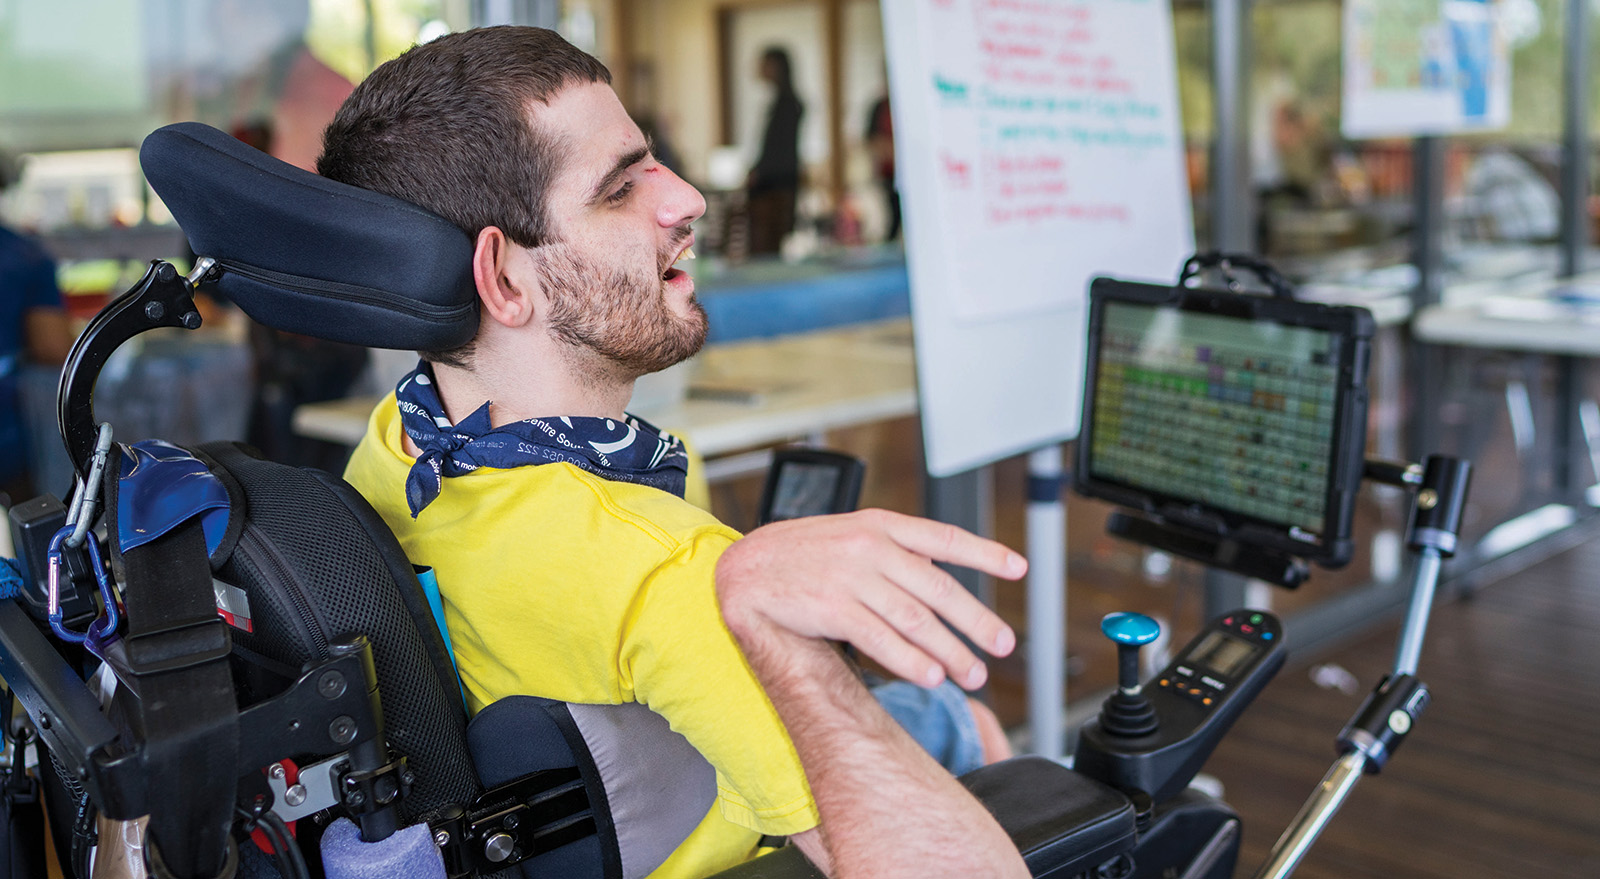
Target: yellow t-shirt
x=562 y=584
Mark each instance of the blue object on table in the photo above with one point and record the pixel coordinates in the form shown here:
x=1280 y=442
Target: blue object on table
x=1130 y=628
x=761 y=299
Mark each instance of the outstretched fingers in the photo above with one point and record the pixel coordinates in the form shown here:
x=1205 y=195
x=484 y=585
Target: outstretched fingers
x=915 y=623
x=887 y=644
x=947 y=543
x=917 y=575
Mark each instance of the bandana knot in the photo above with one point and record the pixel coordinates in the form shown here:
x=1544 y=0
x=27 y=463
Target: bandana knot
x=627 y=449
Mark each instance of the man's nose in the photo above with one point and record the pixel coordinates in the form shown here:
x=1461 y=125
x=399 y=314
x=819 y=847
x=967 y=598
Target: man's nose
x=682 y=204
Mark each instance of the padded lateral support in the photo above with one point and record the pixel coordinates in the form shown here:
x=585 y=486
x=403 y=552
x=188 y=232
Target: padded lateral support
x=309 y=255
x=1062 y=822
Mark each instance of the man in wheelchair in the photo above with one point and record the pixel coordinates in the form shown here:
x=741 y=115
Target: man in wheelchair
x=649 y=693
x=570 y=567
x=632 y=689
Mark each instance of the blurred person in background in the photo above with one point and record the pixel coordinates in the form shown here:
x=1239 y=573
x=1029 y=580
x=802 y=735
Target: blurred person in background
x=277 y=96
x=33 y=329
x=774 y=182
x=1506 y=199
x=880 y=145
x=263 y=75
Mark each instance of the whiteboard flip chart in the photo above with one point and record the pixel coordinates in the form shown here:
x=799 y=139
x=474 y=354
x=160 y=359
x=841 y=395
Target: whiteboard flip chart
x=1037 y=145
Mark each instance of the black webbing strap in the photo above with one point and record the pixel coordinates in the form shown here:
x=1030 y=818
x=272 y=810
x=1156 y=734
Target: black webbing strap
x=177 y=656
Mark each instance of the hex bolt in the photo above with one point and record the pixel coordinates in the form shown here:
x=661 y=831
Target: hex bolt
x=166 y=272
x=276 y=771
x=155 y=310
x=191 y=320
x=295 y=795
x=342 y=730
x=498 y=847
x=331 y=685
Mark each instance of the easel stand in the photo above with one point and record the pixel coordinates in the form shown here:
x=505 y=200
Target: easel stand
x=1047 y=602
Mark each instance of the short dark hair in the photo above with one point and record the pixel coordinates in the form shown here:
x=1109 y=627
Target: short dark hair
x=446 y=126
x=778 y=57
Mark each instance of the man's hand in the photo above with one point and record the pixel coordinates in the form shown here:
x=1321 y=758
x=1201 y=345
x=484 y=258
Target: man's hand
x=869 y=578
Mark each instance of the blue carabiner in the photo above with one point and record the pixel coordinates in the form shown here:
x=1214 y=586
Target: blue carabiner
x=103 y=629
x=53 y=588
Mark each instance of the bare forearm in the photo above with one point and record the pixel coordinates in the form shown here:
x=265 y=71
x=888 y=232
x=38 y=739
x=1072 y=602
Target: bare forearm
x=887 y=808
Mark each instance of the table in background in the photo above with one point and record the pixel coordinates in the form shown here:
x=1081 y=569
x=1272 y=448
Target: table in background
x=745 y=395
x=1527 y=321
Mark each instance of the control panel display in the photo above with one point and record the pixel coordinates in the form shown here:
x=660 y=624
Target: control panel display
x=1223 y=654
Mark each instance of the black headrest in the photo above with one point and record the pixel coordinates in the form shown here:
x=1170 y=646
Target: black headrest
x=308 y=255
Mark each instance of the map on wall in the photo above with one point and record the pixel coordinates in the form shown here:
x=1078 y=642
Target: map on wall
x=1417 y=67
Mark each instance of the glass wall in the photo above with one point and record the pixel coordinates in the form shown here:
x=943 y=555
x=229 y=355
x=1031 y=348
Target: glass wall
x=82 y=82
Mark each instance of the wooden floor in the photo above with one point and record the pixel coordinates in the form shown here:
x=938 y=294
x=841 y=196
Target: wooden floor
x=1501 y=776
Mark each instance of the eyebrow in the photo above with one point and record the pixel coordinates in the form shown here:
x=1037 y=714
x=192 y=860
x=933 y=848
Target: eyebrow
x=623 y=163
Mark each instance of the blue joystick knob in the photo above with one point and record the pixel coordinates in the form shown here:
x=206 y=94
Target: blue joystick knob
x=1127 y=713
x=1134 y=629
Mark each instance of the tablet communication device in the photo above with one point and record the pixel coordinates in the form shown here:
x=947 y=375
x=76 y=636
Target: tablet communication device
x=1236 y=422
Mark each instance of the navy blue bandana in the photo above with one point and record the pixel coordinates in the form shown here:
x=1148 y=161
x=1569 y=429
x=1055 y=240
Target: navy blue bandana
x=630 y=450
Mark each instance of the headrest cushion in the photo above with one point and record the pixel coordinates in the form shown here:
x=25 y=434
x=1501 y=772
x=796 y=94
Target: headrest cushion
x=309 y=255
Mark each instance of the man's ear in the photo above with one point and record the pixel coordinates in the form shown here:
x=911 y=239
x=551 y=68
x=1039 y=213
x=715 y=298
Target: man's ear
x=506 y=286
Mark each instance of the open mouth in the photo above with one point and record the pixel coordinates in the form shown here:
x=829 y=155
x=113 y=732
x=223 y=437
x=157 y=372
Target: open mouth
x=673 y=272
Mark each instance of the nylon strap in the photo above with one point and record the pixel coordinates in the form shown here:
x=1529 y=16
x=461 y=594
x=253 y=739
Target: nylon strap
x=186 y=714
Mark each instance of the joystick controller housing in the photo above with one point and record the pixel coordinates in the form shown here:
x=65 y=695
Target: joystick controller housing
x=1191 y=703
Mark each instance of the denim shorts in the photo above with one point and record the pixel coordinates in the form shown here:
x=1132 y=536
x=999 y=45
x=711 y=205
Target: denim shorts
x=939 y=719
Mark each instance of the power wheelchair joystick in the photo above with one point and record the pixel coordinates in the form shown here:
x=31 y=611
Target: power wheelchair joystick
x=1127 y=712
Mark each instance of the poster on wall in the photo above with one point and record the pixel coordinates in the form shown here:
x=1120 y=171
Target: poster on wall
x=1038 y=144
x=1421 y=67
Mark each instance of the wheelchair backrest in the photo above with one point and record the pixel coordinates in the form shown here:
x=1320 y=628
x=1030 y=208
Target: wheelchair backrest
x=316 y=564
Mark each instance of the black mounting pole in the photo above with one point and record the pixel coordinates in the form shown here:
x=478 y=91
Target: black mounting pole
x=162 y=298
